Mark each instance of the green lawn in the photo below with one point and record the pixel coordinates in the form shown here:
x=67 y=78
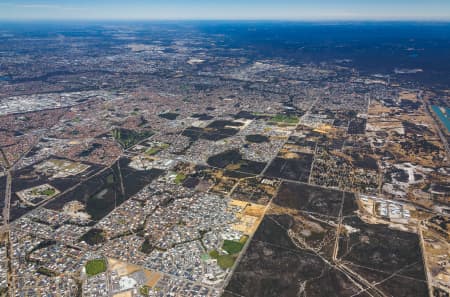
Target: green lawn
x=128 y=138
x=48 y=192
x=156 y=149
x=95 y=267
x=214 y=254
x=226 y=261
x=180 y=178
x=232 y=247
x=205 y=257
x=144 y=290
x=153 y=151
x=286 y=119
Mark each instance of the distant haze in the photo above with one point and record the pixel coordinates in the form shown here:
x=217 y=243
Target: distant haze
x=11 y=10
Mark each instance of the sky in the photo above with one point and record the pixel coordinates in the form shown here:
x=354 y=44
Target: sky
x=307 y=10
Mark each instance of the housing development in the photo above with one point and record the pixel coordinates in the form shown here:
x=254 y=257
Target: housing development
x=166 y=160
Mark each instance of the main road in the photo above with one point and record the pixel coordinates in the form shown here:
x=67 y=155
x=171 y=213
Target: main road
x=6 y=208
x=5 y=227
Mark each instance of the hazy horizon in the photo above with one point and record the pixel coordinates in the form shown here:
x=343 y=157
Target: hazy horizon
x=287 y=10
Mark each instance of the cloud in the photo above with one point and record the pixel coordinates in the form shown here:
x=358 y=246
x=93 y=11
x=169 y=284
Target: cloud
x=40 y=6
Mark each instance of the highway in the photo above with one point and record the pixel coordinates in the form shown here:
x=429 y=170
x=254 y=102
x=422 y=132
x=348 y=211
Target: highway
x=425 y=260
x=6 y=208
x=5 y=226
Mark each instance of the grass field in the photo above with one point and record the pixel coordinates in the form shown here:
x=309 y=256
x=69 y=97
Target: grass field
x=226 y=261
x=153 y=151
x=232 y=247
x=128 y=138
x=285 y=119
x=156 y=149
x=48 y=192
x=180 y=178
x=95 y=267
x=144 y=290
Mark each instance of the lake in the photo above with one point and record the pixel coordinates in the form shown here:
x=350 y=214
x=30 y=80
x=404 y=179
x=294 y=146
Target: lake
x=443 y=116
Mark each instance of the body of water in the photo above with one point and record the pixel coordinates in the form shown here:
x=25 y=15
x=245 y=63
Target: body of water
x=444 y=115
